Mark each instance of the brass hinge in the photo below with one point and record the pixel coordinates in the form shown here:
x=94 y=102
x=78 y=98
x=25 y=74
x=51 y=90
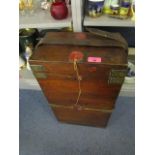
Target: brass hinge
x=40 y=75
x=38 y=68
x=117 y=76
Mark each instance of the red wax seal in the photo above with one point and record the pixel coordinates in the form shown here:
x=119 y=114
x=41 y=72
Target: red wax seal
x=76 y=55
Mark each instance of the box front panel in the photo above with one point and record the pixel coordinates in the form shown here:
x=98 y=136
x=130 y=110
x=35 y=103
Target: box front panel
x=60 y=85
x=82 y=116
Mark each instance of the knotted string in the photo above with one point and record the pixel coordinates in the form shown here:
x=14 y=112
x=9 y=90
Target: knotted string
x=79 y=80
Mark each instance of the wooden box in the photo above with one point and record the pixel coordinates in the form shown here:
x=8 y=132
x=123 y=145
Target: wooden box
x=81 y=74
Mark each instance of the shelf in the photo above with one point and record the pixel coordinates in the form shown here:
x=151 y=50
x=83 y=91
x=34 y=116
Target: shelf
x=43 y=19
x=108 y=21
x=131 y=51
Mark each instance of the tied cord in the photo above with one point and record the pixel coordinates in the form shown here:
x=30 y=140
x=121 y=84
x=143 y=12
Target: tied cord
x=79 y=80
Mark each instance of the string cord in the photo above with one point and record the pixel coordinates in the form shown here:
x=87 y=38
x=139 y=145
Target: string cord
x=79 y=81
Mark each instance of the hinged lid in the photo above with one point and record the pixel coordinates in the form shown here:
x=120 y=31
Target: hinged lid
x=105 y=47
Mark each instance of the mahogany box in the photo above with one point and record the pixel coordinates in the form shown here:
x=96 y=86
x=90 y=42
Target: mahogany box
x=81 y=74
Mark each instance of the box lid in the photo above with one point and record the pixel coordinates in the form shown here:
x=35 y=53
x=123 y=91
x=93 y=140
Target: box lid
x=95 y=46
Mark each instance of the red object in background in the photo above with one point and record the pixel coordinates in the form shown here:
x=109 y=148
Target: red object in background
x=59 y=0
x=59 y=10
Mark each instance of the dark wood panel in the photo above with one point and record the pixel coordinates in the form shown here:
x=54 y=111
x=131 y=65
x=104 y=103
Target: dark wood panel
x=95 y=87
x=86 y=71
x=93 y=94
x=83 y=117
x=86 y=100
x=54 y=53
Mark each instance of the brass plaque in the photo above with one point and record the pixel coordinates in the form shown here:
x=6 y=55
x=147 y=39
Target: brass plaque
x=40 y=75
x=117 y=76
x=38 y=68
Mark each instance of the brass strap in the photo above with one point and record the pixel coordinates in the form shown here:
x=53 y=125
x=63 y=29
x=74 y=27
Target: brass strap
x=84 y=108
x=67 y=62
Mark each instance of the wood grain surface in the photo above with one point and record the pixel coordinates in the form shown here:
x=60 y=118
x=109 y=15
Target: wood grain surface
x=99 y=83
